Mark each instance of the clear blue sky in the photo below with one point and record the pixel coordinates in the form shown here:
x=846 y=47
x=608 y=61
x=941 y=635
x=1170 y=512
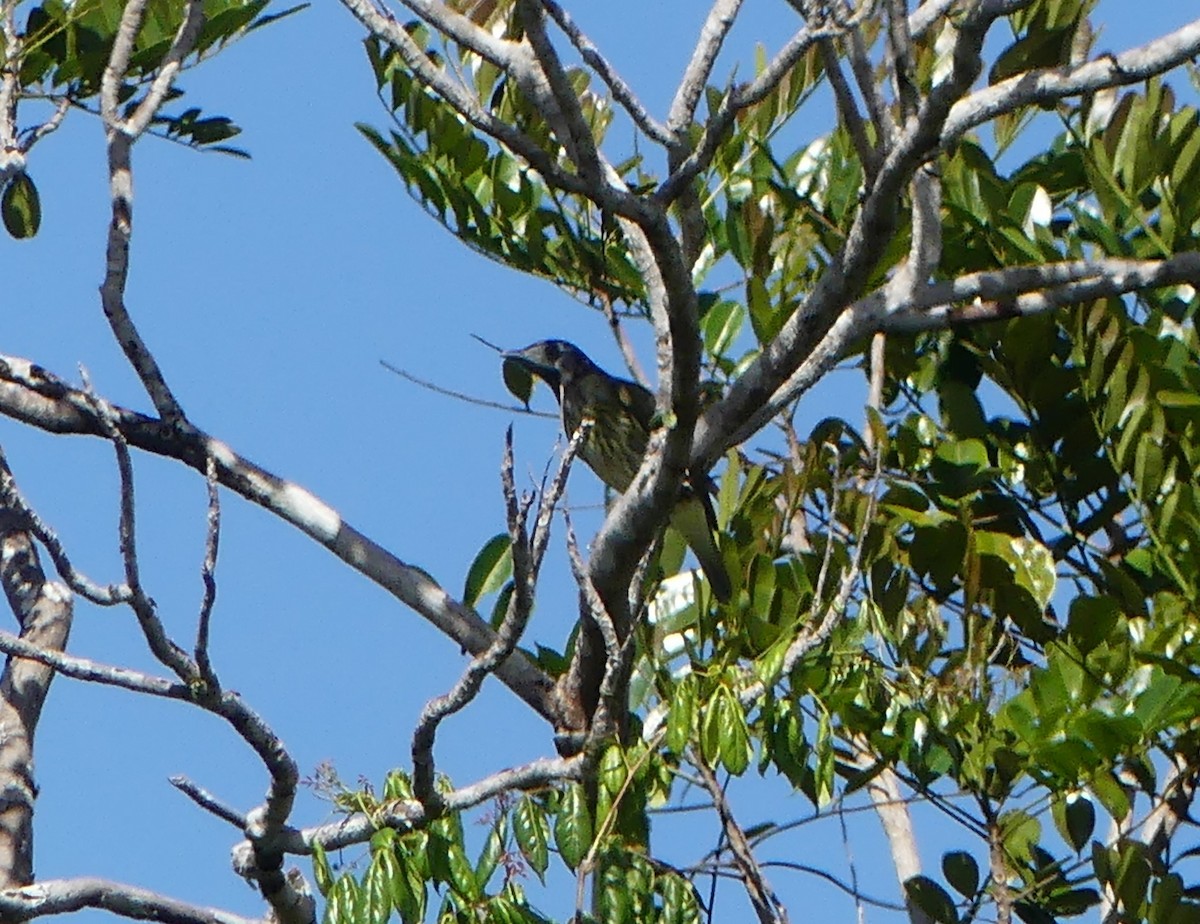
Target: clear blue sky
x=269 y=290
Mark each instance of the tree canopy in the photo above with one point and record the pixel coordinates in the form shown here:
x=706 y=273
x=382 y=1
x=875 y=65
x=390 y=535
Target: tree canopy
x=971 y=592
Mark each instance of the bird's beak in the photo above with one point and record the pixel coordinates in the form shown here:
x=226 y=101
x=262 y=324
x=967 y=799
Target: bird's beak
x=529 y=360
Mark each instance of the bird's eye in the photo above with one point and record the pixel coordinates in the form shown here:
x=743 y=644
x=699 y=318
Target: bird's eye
x=552 y=352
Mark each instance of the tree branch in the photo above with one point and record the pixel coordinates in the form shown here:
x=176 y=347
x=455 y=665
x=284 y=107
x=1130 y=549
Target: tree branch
x=93 y=671
x=44 y=611
x=358 y=827
x=32 y=395
x=1045 y=85
x=63 y=896
x=802 y=337
x=695 y=78
x=438 y=79
x=767 y=906
x=620 y=90
x=121 y=135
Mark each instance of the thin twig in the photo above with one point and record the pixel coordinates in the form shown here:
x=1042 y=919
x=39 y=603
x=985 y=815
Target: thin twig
x=461 y=396
x=738 y=99
x=620 y=90
x=11 y=497
x=767 y=906
x=93 y=671
x=719 y=21
x=207 y=801
x=864 y=76
x=165 y=650
x=208 y=575
x=406 y=815
x=595 y=605
x=38 y=132
x=627 y=351
x=561 y=109
x=552 y=495
x=516 y=618
x=848 y=109
x=62 y=896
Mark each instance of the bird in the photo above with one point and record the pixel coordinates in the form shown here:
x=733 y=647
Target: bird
x=622 y=416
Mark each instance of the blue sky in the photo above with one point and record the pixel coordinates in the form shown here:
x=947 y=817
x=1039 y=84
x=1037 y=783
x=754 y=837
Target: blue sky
x=269 y=290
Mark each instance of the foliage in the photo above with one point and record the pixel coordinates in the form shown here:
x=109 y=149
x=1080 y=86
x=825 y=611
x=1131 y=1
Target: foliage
x=1022 y=628
x=61 y=52
x=983 y=598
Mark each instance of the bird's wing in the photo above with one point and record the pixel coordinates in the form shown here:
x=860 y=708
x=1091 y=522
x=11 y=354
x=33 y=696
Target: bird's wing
x=639 y=401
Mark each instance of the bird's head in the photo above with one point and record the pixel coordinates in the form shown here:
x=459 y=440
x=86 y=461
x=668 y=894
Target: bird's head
x=552 y=361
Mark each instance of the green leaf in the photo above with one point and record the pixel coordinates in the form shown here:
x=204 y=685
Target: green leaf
x=345 y=902
x=612 y=770
x=492 y=853
x=960 y=467
x=573 y=826
x=961 y=871
x=681 y=715
x=1020 y=833
x=1111 y=794
x=376 y=894
x=721 y=326
x=1183 y=399
x=518 y=380
x=738 y=236
x=735 y=737
x=1075 y=818
x=462 y=875
x=679 y=904
x=490 y=569
x=712 y=722
x=532 y=832
x=1091 y=621
x=764 y=319
x=408 y=889
x=826 y=761
x=932 y=899
x=21 y=207
x=321 y=871
x=1031 y=562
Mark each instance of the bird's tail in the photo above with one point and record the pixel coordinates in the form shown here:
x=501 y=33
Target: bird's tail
x=693 y=518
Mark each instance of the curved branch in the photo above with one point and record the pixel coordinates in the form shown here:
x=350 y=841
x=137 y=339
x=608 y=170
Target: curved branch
x=620 y=90
x=691 y=87
x=1021 y=290
x=548 y=86
x=121 y=135
x=359 y=827
x=30 y=394
x=453 y=24
x=79 y=668
x=1003 y=294
x=80 y=583
x=526 y=557
x=63 y=896
x=1049 y=84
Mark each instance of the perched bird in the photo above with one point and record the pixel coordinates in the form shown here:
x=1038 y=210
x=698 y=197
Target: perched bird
x=622 y=413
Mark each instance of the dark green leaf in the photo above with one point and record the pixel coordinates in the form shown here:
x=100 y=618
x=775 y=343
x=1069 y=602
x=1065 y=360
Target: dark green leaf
x=932 y=899
x=962 y=872
x=21 y=207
